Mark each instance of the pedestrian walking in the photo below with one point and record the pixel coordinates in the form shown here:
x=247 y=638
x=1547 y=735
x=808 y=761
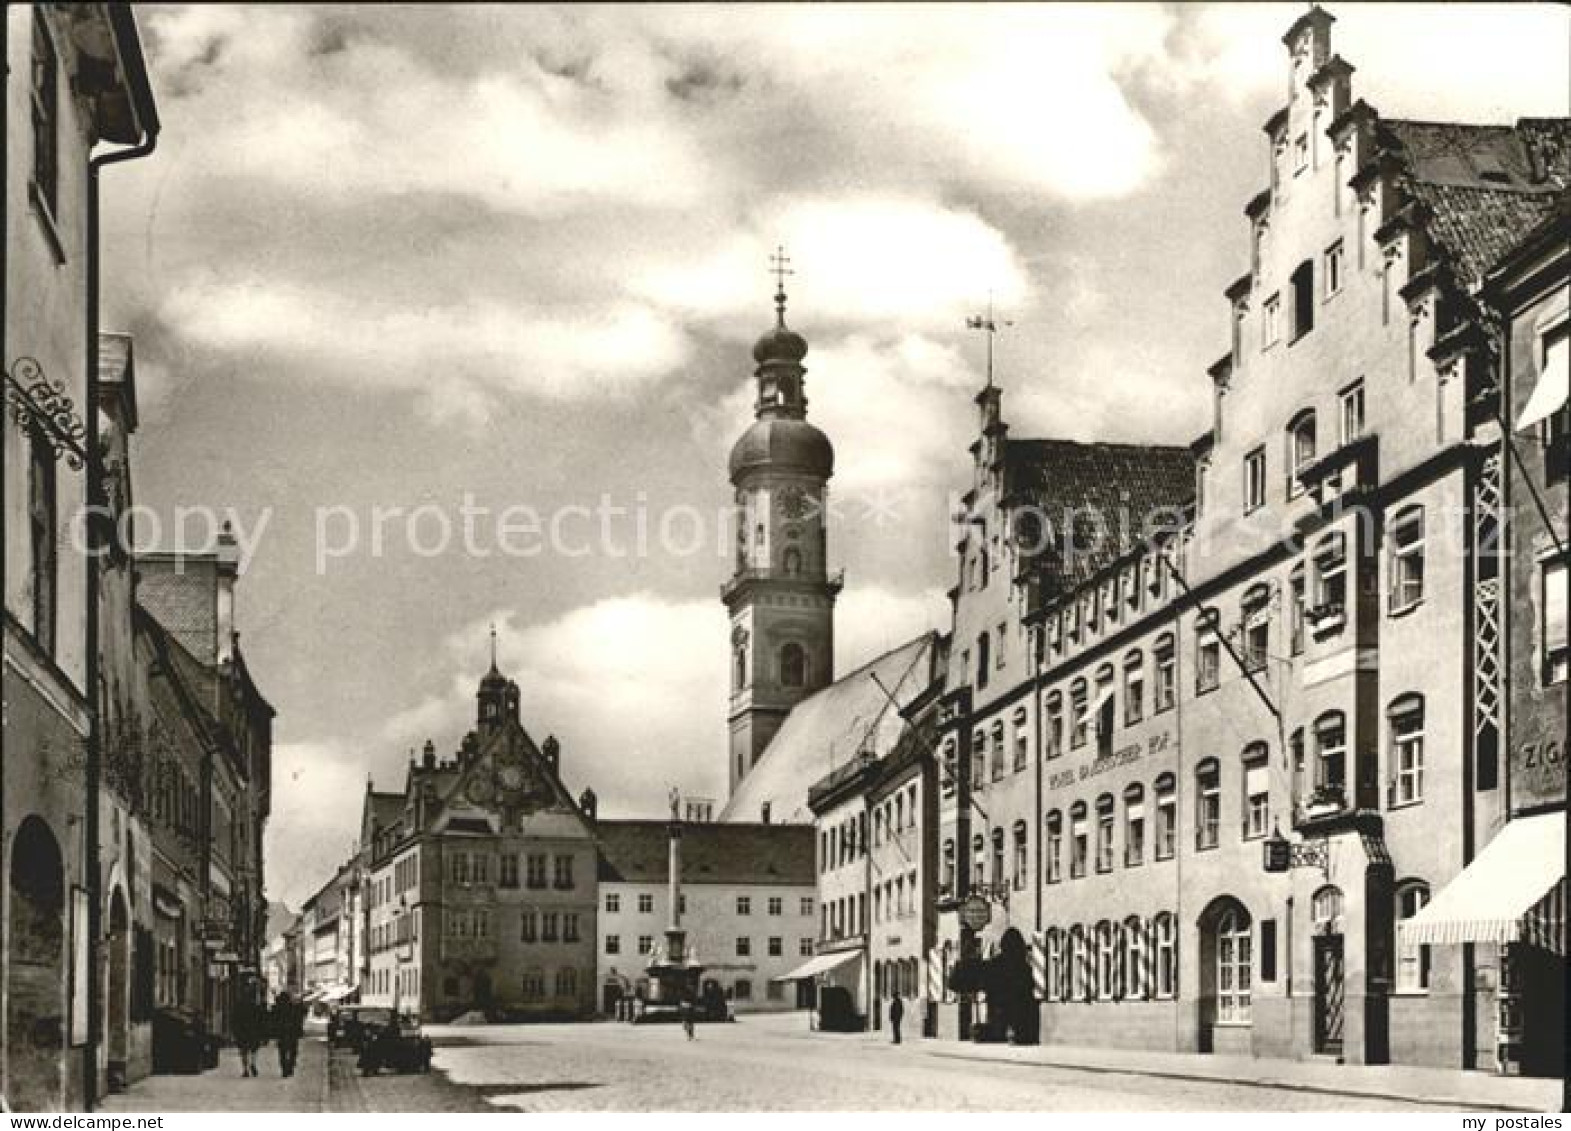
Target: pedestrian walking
x=687 y=1015
x=288 y=1023
x=250 y=1027
x=896 y=1012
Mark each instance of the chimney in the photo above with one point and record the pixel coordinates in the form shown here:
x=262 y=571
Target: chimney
x=553 y=752
x=763 y=812
x=228 y=559
x=588 y=803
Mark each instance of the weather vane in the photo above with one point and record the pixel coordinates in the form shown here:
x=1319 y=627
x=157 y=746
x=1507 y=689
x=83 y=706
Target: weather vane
x=780 y=266
x=988 y=323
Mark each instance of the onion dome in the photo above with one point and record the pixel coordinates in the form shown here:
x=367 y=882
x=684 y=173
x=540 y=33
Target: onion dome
x=780 y=344
x=783 y=442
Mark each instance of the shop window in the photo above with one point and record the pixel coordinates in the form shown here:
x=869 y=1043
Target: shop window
x=1075 y=954
x=1106 y=961
x=1257 y=791
x=1208 y=804
x=1134 y=974
x=1406 y=541
x=1405 y=718
x=1233 y=945
x=1053 y=954
x=1412 y=960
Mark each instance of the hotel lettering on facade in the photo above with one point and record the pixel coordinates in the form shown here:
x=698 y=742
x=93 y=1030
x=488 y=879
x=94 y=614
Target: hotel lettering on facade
x=1283 y=646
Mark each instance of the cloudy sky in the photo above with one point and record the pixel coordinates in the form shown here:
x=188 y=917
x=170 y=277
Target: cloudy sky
x=408 y=257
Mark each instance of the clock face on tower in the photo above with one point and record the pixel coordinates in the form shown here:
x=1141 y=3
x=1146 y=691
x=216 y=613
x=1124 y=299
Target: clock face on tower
x=793 y=504
x=510 y=778
x=479 y=790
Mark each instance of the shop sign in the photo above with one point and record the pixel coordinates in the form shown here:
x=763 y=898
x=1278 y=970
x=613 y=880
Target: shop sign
x=1124 y=756
x=1538 y=773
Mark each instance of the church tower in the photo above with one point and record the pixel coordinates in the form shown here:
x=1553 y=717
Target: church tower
x=781 y=598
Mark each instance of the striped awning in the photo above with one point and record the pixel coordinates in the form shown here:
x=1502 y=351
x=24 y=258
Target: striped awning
x=1513 y=891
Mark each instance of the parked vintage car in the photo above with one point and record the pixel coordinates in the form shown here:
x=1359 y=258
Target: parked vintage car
x=346 y=1026
x=181 y=1043
x=397 y=1043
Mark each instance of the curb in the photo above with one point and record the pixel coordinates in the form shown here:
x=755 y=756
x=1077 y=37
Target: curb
x=1272 y=1084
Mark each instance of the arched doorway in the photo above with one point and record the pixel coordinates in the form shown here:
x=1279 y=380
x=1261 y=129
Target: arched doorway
x=1226 y=969
x=1325 y=910
x=119 y=983
x=35 y=1006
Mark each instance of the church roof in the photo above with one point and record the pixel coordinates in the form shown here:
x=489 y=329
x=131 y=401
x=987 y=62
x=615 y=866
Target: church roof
x=828 y=729
x=638 y=852
x=1107 y=491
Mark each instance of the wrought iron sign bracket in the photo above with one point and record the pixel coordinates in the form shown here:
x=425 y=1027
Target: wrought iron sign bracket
x=36 y=400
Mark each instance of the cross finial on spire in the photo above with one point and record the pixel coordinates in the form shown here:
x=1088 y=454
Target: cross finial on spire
x=780 y=265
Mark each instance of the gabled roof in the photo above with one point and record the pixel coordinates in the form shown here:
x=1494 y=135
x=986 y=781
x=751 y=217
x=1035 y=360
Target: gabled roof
x=1484 y=187
x=1106 y=492
x=638 y=852
x=830 y=728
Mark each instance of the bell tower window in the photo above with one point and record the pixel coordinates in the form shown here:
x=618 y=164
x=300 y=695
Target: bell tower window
x=793 y=665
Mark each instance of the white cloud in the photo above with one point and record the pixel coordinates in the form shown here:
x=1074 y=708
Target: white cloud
x=568 y=353
x=318 y=791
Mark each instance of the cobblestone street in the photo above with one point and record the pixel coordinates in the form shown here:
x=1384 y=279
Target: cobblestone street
x=614 y=1067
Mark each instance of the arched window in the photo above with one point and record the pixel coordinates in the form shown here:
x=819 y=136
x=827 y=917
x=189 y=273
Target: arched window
x=978 y=760
x=998 y=856
x=1300 y=449
x=1075 y=964
x=1412 y=960
x=1104 y=833
x=1166 y=835
x=1255 y=615
x=791 y=561
x=1257 y=790
x=1054 y=847
x=1325 y=910
x=1405 y=718
x=1079 y=840
x=1208 y=804
x=978 y=861
x=1021 y=739
x=1134 y=977
x=1330 y=786
x=1164 y=689
x=1079 y=724
x=1208 y=652
x=1134 y=687
x=1053 y=731
x=1134 y=824
x=793 y=664
x=1233 y=946
x=1164 y=955
x=1106 y=961
x=1104 y=710
x=998 y=750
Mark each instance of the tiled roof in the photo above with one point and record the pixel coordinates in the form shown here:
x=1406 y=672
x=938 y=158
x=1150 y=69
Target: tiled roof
x=387 y=809
x=184 y=601
x=1101 y=495
x=829 y=729
x=638 y=852
x=1485 y=187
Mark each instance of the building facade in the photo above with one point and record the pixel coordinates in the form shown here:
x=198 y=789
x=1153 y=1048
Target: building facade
x=1270 y=731
x=748 y=906
x=480 y=878
x=76 y=88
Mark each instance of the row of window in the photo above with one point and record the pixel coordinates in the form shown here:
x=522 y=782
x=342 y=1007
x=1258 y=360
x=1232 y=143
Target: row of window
x=467 y=869
x=774 y=945
x=895 y=815
x=533 y=925
x=895 y=898
x=773 y=905
x=406 y=980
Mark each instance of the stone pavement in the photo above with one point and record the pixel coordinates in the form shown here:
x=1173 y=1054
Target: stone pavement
x=325 y=1080
x=1452 y=1089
